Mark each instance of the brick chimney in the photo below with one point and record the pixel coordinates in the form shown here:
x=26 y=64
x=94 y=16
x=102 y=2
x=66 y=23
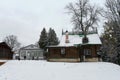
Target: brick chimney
x=66 y=37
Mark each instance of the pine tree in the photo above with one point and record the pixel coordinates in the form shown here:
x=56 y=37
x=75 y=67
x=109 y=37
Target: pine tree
x=112 y=14
x=55 y=39
x=43 y=41
x=109 y=43
x=52 y=38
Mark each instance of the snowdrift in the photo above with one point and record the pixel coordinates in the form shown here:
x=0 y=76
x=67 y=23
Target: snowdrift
x=42 y=70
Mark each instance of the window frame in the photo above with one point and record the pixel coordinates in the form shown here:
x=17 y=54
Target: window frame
x=63 y=51
x=88 y=52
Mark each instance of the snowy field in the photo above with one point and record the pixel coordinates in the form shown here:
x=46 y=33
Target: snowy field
x=3 y=60
x=42 y=70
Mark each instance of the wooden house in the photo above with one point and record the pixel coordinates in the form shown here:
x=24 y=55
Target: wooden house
x=71 y=48
x=5 y=51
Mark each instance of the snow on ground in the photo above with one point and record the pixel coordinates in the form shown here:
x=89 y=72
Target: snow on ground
x=3 y=60
x=42 y=70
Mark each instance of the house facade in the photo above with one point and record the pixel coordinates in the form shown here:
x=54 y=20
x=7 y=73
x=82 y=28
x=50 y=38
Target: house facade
x=5 y=51
x=31 y=52
x=71 y=48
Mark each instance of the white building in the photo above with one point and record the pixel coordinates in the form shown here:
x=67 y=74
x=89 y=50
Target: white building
x=31 y=52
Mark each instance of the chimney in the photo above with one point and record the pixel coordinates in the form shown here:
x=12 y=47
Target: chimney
x=66 y=37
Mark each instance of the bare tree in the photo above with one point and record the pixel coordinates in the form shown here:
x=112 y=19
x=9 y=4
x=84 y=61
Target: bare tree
x=84 y=15
x=113 y=11
x=12 y=42
x=112 y=14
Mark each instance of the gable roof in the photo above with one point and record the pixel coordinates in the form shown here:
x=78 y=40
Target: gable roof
x=77 y=40
x=5 y=44
x=31 y=47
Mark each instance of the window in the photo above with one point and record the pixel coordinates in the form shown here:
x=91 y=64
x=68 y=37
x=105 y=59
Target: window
x=62 y=50
x=87 y=52
x=47 y=50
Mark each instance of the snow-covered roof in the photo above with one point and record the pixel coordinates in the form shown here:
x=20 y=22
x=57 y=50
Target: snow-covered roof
x=42 y=70
x=32 y=46
x=77 y=39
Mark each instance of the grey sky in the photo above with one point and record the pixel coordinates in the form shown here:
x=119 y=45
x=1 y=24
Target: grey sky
x=26 y=18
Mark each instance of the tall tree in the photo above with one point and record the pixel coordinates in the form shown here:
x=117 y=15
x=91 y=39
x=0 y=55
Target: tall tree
x=109 y=42
x=112 y=14
x=84 y=15
x=12 y=42
x=43 y=41
x=52 y=37
x=55 y=39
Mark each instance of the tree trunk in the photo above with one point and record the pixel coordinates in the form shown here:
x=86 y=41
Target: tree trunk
x=85 y=38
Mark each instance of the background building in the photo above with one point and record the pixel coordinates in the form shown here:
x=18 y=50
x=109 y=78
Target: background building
x=5 y=51
x=31 y=52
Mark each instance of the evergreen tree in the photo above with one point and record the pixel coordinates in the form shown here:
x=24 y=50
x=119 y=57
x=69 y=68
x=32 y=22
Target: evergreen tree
x=55 y=39
x=112 y=14
x=43 y=41
x=52 y=38
x=109 y=43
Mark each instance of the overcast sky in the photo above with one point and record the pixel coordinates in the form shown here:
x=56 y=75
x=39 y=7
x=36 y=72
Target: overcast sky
x=26 y=18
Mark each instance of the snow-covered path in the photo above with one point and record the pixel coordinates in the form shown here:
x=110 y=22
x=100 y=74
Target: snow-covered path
x=42 y=70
